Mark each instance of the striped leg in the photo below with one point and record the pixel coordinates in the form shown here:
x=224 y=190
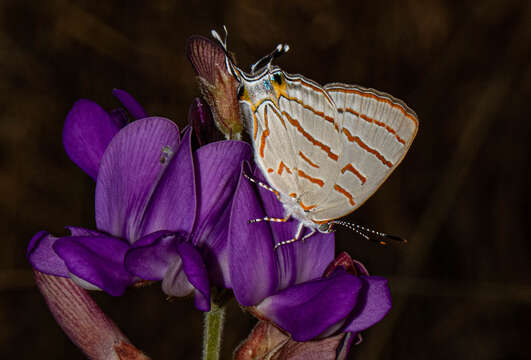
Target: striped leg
x=261 y=184
x=267 y=218
x=290 y=241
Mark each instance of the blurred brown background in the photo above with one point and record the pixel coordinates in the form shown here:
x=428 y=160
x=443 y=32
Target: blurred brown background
x=461 y=287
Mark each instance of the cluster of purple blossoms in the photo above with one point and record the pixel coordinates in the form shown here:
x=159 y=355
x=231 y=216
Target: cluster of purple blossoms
x=172 y=207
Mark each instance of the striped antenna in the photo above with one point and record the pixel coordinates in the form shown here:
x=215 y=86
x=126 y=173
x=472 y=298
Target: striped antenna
x=268 y=59
x=368 y=233
x=229 y=62
x=216 y=36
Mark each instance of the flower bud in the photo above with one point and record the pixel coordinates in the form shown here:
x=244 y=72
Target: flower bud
x=217 y=85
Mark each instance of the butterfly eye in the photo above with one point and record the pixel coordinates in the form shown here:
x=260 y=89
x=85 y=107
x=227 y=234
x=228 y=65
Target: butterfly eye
x=277 y=78
x=325 y=228
x=241 y=90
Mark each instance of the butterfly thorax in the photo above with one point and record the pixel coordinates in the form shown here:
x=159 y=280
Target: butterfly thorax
x=256 y=90
x=292 y=208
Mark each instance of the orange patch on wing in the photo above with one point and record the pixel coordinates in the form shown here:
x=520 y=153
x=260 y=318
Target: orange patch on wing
x=307 y=159
x=376 y=122
x=293 y=195
x=311 y=179
x=364 y=146
x=355 y=171
x=270 y=170
x=348 y=195
x=310 y=138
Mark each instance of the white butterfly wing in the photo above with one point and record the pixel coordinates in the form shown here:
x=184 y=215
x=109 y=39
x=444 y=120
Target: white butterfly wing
x=297 y=143
x=274 y=152
x=377 y=131
x=311 y=119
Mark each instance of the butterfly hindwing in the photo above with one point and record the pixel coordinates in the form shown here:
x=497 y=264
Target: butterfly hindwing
x=377 y=131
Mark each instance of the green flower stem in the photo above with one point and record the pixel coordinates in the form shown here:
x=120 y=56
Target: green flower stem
x=212 y=333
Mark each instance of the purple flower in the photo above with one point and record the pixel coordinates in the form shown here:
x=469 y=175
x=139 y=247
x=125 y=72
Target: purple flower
x=157 y=203
x=293 y=286
x=89 y=129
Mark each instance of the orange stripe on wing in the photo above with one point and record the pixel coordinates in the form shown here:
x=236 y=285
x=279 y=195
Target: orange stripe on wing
x=379 y=99
x=305 y=83
x=348 y=195
x=307 y=159
x=364 y=146
x=265 y=134
x=311 y=179
x=308 y=107
x=279 y=116
x=306 y=207
x=255 y=125
x=376 y=122
x=281 y=167
x=355 y=171
x=310 y=138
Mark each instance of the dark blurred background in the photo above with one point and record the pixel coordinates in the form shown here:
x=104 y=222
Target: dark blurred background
x=461 y=286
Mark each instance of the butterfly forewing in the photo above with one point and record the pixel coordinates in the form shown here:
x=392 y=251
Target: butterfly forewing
x=274 y=152
x=377 y=130
x=311 y=120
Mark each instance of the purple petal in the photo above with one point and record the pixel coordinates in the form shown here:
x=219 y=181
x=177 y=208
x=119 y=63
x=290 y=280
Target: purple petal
x=197 y=274
x=42 y=257
x=252 y=264
x=373 y=304
x=175 y=282
x=96 y=260
x=119 y=117
x=201 y=120
x=173 y=203
x=164 y=256
x=129 y=102
x=307 y=310
x=152 y=255
x=129 y=173
x=87 y=131
x=300 y=261
x=218 y=169
x=79 y=231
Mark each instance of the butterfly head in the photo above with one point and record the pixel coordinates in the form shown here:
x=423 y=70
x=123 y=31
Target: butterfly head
x=264 y=79
x=326 y=228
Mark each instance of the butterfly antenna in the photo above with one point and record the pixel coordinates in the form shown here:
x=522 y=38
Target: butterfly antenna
x=216 y=36
x=370 y=234
x=268 y=59
x=229 y=62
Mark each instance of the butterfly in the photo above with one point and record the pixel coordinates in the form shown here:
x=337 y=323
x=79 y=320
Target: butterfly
x=324 y=150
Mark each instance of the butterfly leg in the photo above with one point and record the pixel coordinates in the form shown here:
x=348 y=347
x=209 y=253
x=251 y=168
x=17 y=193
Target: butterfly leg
x=290 y=241
x=308 y=235
x=267 y=218
x=261 y=184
